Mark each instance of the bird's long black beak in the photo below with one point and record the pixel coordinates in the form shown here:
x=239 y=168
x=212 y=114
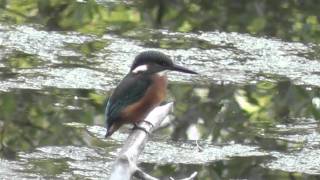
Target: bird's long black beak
x=182 y=69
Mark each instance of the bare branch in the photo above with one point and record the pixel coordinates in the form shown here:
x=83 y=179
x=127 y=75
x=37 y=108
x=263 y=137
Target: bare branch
x=125 y=166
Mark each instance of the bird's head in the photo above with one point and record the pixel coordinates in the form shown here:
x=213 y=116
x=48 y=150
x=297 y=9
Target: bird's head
x=154 y=62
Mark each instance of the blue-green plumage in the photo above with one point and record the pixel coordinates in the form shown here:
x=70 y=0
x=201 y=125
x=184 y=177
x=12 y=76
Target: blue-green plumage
x=130 y=90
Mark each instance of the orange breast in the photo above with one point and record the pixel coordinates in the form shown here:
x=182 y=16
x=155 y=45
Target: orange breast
x=154 y=95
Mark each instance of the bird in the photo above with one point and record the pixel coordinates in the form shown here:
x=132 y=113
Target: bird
x=141 y=90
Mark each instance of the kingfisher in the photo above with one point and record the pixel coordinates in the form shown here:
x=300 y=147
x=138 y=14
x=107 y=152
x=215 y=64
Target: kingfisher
x=140 y=91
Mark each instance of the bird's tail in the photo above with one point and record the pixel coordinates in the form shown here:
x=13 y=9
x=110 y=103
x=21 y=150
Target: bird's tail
x=111 y=128
x=108 y=134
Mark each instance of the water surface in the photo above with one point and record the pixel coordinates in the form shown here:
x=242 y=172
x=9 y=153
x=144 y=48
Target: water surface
x=253 y=110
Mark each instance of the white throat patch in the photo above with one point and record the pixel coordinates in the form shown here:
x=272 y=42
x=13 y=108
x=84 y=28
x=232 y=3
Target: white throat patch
x=140 y=68
x=162 y=73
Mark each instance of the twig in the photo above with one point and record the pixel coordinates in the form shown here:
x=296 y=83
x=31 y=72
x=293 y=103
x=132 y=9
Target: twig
x=191 y=177
x=144 y=176
x=199 y=148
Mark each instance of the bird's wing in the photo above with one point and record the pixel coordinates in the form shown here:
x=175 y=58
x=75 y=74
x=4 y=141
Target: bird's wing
x=129 y=91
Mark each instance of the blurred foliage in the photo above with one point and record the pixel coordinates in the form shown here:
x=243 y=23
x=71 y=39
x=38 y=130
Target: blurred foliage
x=87 y=17
x=292 y=20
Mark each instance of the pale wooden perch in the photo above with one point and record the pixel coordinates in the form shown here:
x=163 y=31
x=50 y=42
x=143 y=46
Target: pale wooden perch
x=125 y=166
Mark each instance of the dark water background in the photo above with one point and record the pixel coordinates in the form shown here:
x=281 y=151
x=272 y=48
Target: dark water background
x=254 y=109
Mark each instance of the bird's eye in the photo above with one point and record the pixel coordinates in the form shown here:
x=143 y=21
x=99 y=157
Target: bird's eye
x=163 y=63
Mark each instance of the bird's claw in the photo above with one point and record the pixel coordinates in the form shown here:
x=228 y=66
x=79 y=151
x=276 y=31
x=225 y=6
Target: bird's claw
x=136 y=126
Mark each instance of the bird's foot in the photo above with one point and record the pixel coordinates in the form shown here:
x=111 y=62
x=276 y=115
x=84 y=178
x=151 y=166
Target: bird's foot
x=140 y=128
x=136 y=126
x=147 y=122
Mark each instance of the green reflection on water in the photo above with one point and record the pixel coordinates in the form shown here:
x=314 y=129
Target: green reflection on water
x=235 y=168
x=48 y=168
x=292 y=20
x=22 y=60
x=219 y=113
x=234 y=113
x=87 y=49
x=33 y=118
